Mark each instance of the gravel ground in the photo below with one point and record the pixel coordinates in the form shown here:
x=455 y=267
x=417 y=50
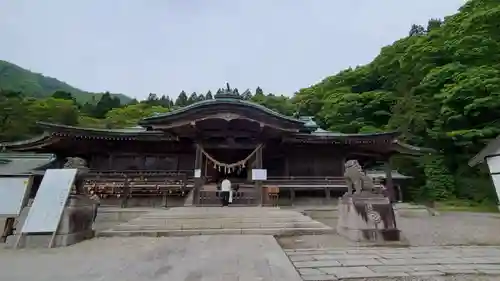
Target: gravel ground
x=452 y=229
x=447 y=229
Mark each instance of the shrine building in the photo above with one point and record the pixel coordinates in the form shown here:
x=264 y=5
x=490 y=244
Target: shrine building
x=185 y=152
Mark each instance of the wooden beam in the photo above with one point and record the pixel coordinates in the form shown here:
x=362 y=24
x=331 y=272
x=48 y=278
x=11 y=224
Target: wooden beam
x=258 y=184
x=229 y=146
x=198 y=182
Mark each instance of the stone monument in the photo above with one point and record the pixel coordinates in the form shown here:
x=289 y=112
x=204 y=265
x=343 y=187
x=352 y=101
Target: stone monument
x=76 y=219
x=365 y=214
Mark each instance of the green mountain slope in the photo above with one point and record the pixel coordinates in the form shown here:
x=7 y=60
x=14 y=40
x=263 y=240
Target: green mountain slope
x=439 y=86
x=16 y=78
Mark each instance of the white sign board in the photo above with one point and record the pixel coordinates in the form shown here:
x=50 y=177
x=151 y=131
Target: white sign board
x=493 y=164
x=197 y=173
x=50 y=200
x=259 y=174
x=12 y=193
x=496 y=184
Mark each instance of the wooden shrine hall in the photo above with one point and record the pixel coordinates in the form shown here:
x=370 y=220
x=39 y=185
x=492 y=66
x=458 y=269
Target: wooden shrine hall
x=184 y=153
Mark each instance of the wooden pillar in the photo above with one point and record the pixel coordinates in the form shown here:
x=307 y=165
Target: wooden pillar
x=400 y=193
x=292 y=196
x=287 y=167
x=198 y=182
x=8 y=229
x=258 y=184
x=327 y=194
x=389 y=184
x=110 y=162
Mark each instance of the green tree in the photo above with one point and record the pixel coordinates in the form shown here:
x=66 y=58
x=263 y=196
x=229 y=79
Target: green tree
x=433 y=24
x=166 y=101
x=13 y=118
x=54 y=111
x=193 y=98
x=63 y=96
x=105 y=104
x=439 y=86
x=417 y=30
x=128 y=116
x=182 y=100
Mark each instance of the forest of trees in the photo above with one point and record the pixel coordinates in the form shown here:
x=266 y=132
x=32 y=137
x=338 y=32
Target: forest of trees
x=439 y=86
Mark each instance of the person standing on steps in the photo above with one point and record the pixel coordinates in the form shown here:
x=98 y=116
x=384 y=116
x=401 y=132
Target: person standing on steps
x=95 y=207
x=225 y=191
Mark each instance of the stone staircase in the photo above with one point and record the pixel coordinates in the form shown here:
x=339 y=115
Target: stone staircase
x=188 y=221
x=188 y=202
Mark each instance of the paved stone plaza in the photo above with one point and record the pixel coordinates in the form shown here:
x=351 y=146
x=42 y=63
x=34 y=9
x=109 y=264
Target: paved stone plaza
x=195 y=258
x=260 y=257
x=339 y=263
x=242 y=258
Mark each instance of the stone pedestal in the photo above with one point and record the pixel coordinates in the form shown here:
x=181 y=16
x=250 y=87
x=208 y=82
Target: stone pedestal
x=367 y=217
x=75 y=226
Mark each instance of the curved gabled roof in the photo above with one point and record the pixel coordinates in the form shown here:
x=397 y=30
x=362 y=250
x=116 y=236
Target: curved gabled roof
x=323 y=133
x=37 y=139
x=132 y=131
x=53 y=132
x=23 y=163
x=232 y=101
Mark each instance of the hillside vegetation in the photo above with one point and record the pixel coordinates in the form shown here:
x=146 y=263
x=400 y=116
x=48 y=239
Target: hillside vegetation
x=439 y=86
x=16 y=78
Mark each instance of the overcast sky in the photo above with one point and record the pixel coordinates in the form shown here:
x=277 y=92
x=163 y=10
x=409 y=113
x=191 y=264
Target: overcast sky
x=164 y=46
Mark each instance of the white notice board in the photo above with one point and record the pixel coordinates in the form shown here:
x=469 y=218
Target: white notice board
x=12 y=193
x=259 y=174
x=496 y=184
x=493 y=164
x=45 y=213
x=197 y=173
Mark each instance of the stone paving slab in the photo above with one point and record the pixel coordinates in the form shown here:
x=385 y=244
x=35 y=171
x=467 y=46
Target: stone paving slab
x=355 y=263
x=196 y=258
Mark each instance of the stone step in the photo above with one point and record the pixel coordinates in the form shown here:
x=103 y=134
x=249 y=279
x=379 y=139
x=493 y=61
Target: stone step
x=228 y=219
x=233 y=218
x=211 y=225
x=186 y=221
x=189 y=199
x=222 y=231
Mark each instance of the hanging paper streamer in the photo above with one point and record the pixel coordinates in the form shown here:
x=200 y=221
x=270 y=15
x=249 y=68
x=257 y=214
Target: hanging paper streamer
x=220 y=166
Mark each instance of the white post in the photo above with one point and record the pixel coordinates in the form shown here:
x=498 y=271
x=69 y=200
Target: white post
x=494 y=167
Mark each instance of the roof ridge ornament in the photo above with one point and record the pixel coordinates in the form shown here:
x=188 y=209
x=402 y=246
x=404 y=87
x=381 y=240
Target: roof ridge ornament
x=227 y=93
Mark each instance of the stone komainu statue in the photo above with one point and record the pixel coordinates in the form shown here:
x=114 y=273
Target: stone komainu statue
x=81 y=165
x=357 y=179
x=75 y=163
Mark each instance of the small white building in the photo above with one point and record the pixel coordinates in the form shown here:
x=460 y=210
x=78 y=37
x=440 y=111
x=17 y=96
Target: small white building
x=490 y=154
